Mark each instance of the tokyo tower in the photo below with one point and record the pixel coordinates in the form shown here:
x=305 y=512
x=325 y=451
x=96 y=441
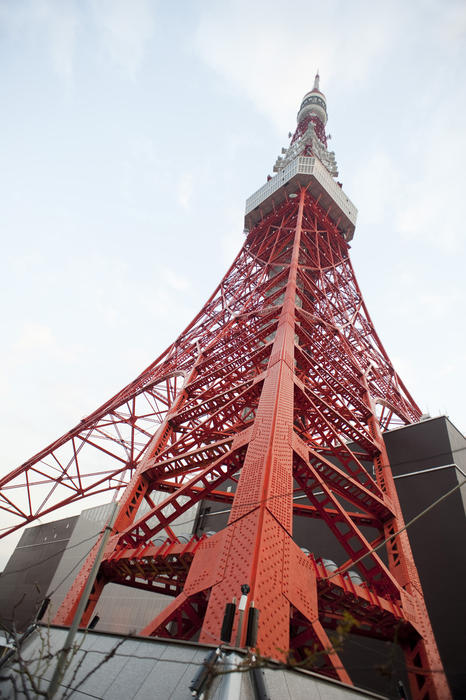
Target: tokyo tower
x=279 y=387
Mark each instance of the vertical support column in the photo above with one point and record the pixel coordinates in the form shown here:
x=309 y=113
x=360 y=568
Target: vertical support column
x=261 y=516
x=256 y=548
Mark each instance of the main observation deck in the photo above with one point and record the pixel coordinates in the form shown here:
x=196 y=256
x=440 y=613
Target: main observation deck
x=308 y=172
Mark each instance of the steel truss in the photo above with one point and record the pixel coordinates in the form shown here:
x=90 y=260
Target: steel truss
x=281 y=386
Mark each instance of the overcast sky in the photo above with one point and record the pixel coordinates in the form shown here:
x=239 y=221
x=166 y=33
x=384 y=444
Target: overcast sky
x=131 y=133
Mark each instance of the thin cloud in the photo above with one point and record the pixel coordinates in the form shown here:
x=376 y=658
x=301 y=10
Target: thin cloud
x=174 y=280
x=56 y=22
x=185 y=190
x=127 y=29
x=251 y=54
x=40 y=340
x=35 y=336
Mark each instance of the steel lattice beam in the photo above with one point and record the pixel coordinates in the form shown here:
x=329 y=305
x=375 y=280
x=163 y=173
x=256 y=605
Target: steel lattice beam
x=281 y=386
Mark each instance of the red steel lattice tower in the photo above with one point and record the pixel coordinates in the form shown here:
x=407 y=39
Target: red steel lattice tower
x=280 y=386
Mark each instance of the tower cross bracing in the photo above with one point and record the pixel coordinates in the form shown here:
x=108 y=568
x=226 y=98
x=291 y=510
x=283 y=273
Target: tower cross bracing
x=279 y=388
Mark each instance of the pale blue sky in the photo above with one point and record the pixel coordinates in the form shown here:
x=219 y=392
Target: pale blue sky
x=131 y=132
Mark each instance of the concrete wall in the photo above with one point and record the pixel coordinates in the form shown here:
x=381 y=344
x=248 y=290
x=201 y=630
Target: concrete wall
x=29 y=571
x=149 y=669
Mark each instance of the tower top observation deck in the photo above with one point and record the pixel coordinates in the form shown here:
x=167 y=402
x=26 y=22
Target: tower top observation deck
x=307 y=162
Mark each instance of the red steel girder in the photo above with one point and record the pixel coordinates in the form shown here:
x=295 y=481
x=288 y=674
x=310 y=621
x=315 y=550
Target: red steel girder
x=281 y=375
